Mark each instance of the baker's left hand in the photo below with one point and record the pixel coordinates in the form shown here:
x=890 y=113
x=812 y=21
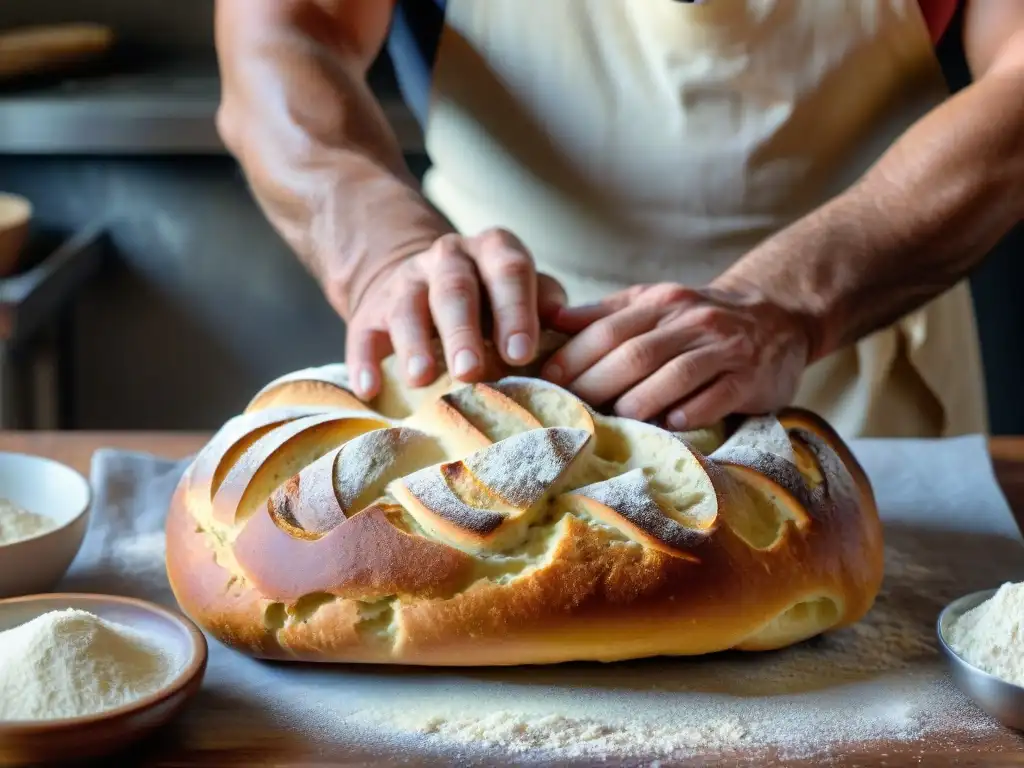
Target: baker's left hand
x=692 y=356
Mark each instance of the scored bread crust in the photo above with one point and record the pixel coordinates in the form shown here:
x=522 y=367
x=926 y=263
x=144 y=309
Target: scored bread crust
x=509 y=523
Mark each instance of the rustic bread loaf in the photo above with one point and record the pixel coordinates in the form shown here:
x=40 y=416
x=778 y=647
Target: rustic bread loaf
x=509 y=523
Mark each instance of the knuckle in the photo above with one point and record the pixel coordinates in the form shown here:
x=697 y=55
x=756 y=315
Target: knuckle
x=498 y=239
x=358 y=329
x=670 y=293
x=673 y=316
x=401 y=311
x=606 y=335
x=448 y=242
x=730 y=389
x=512 y=267
x=395 y=282
x=403 y=290
x=638 y=355
x=682 y=369
x=637 y=292
x=512 y=312
x=741 y=348
x=459 y=286
x=445 y=247
x=460 y=335
x=707 y=316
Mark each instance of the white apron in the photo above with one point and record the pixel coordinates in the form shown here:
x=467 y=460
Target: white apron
x=637 y=141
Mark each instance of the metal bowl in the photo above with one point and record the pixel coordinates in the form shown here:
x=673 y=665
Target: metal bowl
x=1002 y=700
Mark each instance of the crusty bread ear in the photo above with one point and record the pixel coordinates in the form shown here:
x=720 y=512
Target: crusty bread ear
x=485 y=502
x=658 y=492
x=509 y=523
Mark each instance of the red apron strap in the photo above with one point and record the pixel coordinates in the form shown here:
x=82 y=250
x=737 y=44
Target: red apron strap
x=938 y=14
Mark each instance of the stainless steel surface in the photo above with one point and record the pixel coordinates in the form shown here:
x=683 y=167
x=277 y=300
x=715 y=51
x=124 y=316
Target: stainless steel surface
x=94 y=120
x=150 y=113
x=1002 y=700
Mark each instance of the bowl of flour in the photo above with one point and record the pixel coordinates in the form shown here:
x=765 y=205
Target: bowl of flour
x=44 y=514
x=86 y=676
x=982 y=637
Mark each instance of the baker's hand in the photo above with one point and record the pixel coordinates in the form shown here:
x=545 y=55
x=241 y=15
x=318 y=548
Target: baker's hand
x=444 y=292
x=692 y=356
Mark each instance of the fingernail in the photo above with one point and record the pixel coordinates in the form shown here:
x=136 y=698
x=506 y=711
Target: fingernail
x=554 y=373
x=465 y=362
x=365 y=381
x=519 y=347
x=417 y=366
x=677 y=420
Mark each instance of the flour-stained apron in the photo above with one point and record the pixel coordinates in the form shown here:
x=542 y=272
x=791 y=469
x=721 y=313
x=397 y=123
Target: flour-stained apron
x=637 y=141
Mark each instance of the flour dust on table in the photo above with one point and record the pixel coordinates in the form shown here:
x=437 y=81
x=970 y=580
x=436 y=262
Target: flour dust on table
x=875 y=680
x=948 y=531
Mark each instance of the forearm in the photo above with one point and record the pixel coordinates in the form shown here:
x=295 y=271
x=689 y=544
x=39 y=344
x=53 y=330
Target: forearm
x=911 y=228
x=316 y=147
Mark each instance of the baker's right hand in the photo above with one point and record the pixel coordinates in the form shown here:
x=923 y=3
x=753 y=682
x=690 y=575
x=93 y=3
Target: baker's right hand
x=443 y=292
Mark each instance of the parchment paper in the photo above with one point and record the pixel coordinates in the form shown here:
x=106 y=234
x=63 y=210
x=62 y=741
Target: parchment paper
x=949 y=531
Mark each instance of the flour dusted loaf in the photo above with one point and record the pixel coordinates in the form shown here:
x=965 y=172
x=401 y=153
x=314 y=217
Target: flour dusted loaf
x=509 y=523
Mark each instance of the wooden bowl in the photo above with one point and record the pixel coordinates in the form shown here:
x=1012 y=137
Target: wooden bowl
x=15 y=215
x=46 y=487
x=47 y=741
x=37 y=49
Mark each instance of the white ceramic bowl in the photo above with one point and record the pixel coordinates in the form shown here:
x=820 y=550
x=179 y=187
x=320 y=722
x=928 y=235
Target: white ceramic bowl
x=49 y=488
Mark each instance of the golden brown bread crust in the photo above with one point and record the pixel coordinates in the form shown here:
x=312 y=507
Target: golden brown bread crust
x=510 y=524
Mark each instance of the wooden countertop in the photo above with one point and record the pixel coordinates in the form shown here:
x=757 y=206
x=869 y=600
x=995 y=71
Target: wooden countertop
x=239 y=744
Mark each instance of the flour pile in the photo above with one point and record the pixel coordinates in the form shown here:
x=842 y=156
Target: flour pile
x=991 y=636
x=71 y=664
x=17 y=524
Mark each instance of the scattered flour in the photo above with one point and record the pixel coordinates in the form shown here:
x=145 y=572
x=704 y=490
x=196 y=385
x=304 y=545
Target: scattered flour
x=72 y=663
x=991 y=636
x=516 y=733
x=564 y=737
x=17 y=524
x=881 y=679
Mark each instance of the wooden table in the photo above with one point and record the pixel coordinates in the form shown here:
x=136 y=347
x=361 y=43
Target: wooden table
x=239 y=742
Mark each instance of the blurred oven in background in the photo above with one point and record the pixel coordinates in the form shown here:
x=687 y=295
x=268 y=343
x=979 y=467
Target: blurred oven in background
x=200 y=303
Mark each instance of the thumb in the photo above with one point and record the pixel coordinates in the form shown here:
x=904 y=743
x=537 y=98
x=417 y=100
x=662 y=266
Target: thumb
x=365 y=347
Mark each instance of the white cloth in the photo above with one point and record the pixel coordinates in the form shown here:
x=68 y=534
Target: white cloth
x=949 y=531
x=641 y=141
